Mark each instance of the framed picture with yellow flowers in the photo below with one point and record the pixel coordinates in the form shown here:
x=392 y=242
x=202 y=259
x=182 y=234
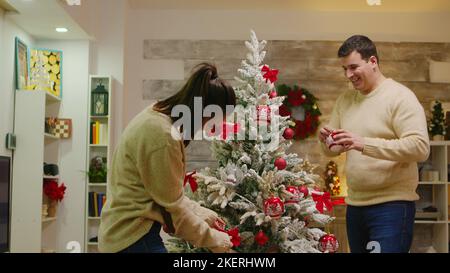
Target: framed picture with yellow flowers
x=46 y=71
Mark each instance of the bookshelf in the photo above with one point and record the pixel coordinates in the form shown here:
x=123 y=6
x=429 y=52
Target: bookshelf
x=98 y=150
x=432 y=218
x=34 y=147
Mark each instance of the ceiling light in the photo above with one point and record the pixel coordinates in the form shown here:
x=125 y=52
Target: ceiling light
x=73 y=2
x=61 y=29
x=373 y=2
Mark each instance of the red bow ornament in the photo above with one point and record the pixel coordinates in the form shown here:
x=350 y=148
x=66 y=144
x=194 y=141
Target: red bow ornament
x=227 y=130
x=322 y=200
x=189 y=178
x=269 y=74
x=235 y=238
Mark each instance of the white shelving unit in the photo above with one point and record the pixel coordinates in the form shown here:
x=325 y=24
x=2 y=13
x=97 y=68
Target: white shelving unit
x=436 y=194
x=30 y=231
x=102 y=149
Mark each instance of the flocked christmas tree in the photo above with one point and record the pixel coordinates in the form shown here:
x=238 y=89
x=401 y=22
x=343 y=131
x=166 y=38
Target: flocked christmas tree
x=437 y=125
x=269 y=199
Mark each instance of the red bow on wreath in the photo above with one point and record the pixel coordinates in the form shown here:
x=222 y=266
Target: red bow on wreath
x=191 y=179
x=296 y=98
x=270 y=74
x=322 y=200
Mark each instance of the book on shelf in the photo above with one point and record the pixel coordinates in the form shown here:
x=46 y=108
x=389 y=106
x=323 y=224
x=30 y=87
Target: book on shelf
x=98 y=133
x=103 y=133
x=96 y=203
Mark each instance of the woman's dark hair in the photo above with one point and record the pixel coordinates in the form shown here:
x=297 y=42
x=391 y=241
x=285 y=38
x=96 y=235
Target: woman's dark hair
x=361 y=44
x=205 y=83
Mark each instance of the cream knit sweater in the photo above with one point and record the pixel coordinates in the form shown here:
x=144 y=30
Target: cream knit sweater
x=147 y=172
x=392 y=122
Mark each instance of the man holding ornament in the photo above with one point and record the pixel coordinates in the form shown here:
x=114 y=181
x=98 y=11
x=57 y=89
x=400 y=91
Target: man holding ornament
x=381 y=126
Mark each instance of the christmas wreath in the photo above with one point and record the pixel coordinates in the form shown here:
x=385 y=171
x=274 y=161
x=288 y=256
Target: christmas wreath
x=301 y=105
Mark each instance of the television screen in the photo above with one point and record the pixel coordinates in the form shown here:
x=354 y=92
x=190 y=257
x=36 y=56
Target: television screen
x=4 y=202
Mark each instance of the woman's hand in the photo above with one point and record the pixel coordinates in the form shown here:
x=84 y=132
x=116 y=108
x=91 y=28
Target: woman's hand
x=219 y=224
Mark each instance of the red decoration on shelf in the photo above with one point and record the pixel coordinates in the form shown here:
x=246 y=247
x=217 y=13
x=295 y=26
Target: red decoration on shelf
x=322 y=200
x=261 y=238
x=273 y=94
x=296 y=195
x=280 y=163
x=189 y=178
x=304 y=189
x=53 y=191
x=235 y=238
x=263 y=113
x=274 y=207
x=328 y=243
x=269 y=74
x=288 y=133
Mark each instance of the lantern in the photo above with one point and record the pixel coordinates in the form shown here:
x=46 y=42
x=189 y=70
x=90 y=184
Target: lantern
x=99 y=101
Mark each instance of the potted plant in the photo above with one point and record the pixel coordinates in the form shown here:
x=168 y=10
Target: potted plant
x=436 y=126
x=97 y=170
x=54 y=193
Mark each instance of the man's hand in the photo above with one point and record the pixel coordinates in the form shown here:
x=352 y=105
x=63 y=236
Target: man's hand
x=349 y=140
x=324 y=133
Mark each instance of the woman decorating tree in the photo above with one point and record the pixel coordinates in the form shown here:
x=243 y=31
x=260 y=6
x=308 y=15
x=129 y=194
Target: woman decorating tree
x=146 y=186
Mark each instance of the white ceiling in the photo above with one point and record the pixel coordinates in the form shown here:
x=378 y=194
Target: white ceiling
x=39 y=18
x=299 y=5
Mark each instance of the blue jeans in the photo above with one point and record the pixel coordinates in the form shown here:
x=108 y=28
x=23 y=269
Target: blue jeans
x=149 y=243
x=388 y=224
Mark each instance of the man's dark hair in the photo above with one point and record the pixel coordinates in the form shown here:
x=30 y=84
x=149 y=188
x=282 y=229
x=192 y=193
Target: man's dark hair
x=361 y=44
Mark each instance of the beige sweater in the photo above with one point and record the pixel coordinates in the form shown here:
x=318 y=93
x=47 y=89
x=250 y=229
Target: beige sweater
x=393 y=124
x=148 y=169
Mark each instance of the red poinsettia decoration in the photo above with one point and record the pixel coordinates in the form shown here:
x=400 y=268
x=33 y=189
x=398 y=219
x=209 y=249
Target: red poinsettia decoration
x=235 y=238
x=54 y=191
x=261 y=238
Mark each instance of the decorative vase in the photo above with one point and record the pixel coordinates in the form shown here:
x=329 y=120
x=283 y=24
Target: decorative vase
x=52 y=208
x=438 y=137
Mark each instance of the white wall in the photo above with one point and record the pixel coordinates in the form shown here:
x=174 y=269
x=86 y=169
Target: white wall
x=8 y=32
x=276 y=25
x=74 y=105
x=105 y=21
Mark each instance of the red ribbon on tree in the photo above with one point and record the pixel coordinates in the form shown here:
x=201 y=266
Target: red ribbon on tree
x=270 y=74
x=322 y=200
x=235 y=238
x=192 y=181
x=261 y=238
